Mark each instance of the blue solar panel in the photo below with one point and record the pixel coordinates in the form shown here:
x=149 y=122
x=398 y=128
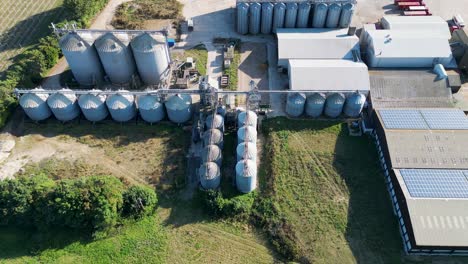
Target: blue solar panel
x=402 y=119
x=445 y=119
x=423 y=183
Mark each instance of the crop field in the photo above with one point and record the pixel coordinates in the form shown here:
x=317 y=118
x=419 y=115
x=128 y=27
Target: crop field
x=22 y=23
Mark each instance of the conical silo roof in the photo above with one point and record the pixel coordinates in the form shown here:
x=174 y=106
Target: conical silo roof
x=147 y=43
x=247 y=133
x=33 y=100
x=246 y=150
x=179 y=102
x=149 y=102
x=246 y=168
x=73 y=42
x=211 y=153
x=120 y=101
x=212 y=136
x=109 y=43
x=214 y=121
x=61 y=100
x=247 y=118
x=92 y=100
x=209 y=171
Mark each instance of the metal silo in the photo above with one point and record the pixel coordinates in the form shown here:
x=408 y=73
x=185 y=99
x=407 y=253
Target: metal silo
x=246 y=150
x=121 y=106
x=246 y=176
x=213 y=136
x=333 y=17
x=242 y=18
x=320 y=15
x=346 y=15
x=35 y=105
x=116 y=57
x=255 y=18
x=295 y=104
x=303 y=15
x=221 y=110
x=151 y=108
x=64 y=106
x=279 y=13
x=215 y=122
x=82 y=58
x=179 y=108
x=93 y=106
x=151 y=57
x=315 y=104
x=212 y=153
x=354 y=104
x=247 y=118
x=334 y=105
x=210 y=175
x=267 y=18
x=247 y=134
x=291 y=15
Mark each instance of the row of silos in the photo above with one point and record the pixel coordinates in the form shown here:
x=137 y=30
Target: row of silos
x=333 y=105
x=246 y=152
x=266 y=17
x=95 y=106
x=116 y=55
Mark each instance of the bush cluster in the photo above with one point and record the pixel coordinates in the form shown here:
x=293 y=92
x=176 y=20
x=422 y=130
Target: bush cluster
x=238 y=207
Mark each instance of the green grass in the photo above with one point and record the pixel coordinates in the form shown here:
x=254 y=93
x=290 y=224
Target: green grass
x=200 y=56
x=233 y=69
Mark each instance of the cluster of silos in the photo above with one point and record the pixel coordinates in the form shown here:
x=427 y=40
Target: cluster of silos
x=211 y=155
x=246 y=152
x=118 y=56
x=331 y=105
x=266 y=17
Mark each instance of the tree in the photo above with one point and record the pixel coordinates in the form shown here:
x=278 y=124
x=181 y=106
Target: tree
x=139 y=201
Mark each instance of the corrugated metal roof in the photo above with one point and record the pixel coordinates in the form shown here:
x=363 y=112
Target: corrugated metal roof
x=432 y=24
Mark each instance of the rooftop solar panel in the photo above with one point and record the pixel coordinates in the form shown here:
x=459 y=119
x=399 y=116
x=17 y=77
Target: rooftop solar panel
x=402 y=119
x=445 y=118
x=424 y=183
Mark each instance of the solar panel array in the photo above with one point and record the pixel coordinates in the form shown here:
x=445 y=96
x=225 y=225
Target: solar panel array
x=445 y=119
x=403 y=119
x=424 y=183
x=440 y=119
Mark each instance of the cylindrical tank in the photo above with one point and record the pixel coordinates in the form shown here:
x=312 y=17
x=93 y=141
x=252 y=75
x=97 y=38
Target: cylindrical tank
x=267 y=18
x=64 y=106
x=215 y=122
x=255 y=18
x=295 y=104
x=334 y=105
x=346 y=15
x=315 y=104
x=179 y=108
x=213 y=137
x=151 y=108
x=210 y=175
x=320 y=15
x=212 y=153
x=247 y=118
x=247 y=134
x=246 y=176
x=35 y=105
x=221 y=110
x=151 y=57
x=82 y=58
x=242 y=18
x=246 y=150
x=116 y=57
x=333 y=16
x=93 y=106
x=291 y=15
x=279 y=13
x=121 y=106
x=303 y=15
x=354 y=104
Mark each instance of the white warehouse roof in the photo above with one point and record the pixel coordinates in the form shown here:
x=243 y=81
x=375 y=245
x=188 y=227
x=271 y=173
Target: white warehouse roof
x=430 y=24
x=328 y=75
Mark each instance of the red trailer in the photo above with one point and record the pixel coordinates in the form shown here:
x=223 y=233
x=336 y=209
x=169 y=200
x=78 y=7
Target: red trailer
x=406 y=5
x=417 y=13
x=397 y=1
x=418 y=8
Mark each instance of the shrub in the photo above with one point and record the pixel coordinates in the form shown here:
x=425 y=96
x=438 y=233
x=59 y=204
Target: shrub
x=239 y=207
x=139 y=201
x=84 y=10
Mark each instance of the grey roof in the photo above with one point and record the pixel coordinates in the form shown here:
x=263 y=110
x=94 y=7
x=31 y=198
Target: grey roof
x=423 y=119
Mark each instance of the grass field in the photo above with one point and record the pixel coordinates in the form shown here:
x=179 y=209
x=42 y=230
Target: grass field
x=199 y=55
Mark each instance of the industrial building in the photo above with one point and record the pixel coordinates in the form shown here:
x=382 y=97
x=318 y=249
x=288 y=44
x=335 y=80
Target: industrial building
x=435 y=25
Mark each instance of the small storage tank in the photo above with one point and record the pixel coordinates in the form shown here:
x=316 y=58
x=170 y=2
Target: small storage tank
x=246 y=176
x=215 y=122
x=121 y=106
x=151 y=108
x=291 y=15
x=346 y=15
x=247 y=134
x=315 y=104
x=93 y=106
x=303 y=15
x=151 y=57
x=116 y=57
x=320 y=15
x=242 y=18
x=210 y=175
x=354 y=104
x=179 y=108
x=279 y=13
x=246 y=150
x=35 y=105
x=248 y=118
x=64 y=106
x=267 y=18
x=221 y=110
x=333 y=16
x=255 y=18
x=213 y=136
x=82 y=58
x=334 y=105
x=212 y=153
x=295 y=104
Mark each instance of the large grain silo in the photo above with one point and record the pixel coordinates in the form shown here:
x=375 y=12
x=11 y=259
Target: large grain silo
x=354 y=104
x=246 y=150
x=213 y=136
x=247 y=134
x=255 y=18
x=64 y=105
x=35 y=105
x=212 y=153
x=320 y=15
x=82 y=58
x=291 y=15
x=179 y=108
x=247 y=118
x=151 y=108
x=93 y=106
x=210 y=175
x=334 y=105
x=303 y=15
x=279 y=14
x=315 y=104
x=242 y=18
x=246 y=176
x=346 y=15
x=121 y=106
x=295 y=104
x=116 y=57
x=267 y=18
x=151 y=57
x=215 y=122
x=333 y=16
